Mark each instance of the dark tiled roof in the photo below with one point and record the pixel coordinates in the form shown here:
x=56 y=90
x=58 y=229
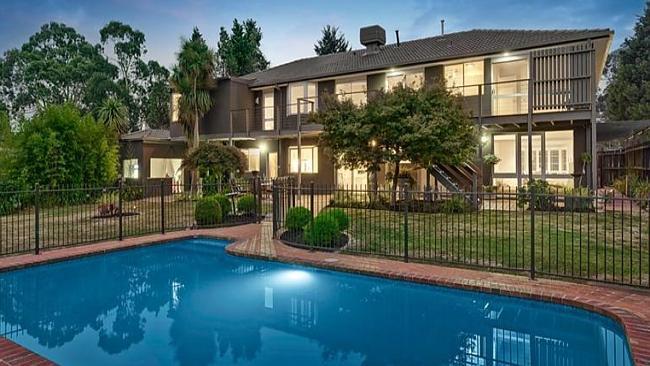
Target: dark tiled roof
x=148 y=135
x=450 y=46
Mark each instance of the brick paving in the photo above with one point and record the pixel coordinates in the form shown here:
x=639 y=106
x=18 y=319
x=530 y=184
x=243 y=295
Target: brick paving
x=631 y=307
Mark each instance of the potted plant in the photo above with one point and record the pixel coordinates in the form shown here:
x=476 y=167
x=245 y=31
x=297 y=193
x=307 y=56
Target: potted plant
x=490 y=160
x=577 y=199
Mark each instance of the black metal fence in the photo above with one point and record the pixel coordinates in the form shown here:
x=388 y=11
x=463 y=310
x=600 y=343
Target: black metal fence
x=44 y=218
x=597 y=238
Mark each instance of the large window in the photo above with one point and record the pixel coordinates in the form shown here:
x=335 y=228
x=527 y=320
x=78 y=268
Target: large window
x=352 y=89
x=559 y=152
x=537 y=157
x=464 y=78
x=352 y=178
x=269 y=116
x=253 y=158
x=410 y=78
x=308 y=159
x=175 y=99
x=166 y=168
x=510 y=88
x=505 y=148
x=131 y=169
x=304 y=90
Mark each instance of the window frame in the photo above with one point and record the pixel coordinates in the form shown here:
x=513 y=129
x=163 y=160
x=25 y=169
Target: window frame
x=265 y=108
x=314 y=159
x=247 y=152
x=292 y=100
x=137 y=168
x=466 y=89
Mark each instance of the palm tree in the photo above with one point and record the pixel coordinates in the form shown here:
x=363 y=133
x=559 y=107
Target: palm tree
x=114 y=114
x=193 y=77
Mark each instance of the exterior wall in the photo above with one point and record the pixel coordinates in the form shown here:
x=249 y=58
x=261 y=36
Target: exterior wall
x=326 y=171
x=144 y=151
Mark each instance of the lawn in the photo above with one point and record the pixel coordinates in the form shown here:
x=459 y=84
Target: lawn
x=604 y=246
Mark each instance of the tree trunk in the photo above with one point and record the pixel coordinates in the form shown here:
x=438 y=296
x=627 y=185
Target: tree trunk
x=195 y=139
x=393 y=197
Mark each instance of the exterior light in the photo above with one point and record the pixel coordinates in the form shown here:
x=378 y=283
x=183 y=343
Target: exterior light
x=485 y=138
x=373 y=143
x=262 y=147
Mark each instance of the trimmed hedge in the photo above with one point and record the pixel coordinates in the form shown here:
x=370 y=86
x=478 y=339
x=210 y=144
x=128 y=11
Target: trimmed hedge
x=246 y=204
x=225 y=203
x=207 y=212
x=340 y=216
x=323 y=231
x=297 y=218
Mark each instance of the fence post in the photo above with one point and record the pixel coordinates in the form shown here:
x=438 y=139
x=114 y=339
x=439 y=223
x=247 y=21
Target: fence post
x=311 y=198
x=275 y=205
x=162 y=206
x=405 y=202
x=120 y=187
x=258 y=184
x=37 y=219
x=532 y=233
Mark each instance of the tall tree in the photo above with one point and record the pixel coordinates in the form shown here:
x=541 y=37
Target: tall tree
x=627 y=96
x=127 y=49
x=193 y=77
x=331 y=41
x=239 y=53
x=53 y=67
x=154 y=104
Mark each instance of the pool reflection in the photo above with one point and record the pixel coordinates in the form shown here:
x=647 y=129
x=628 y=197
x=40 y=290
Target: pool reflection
x=190 y=304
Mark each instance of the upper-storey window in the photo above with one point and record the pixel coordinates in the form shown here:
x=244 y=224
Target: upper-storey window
x=510 y=87
x=302 y=90
x=175 y=99
x=268 y=108
x=464 y=78
x=409 y=78
x=352 y=89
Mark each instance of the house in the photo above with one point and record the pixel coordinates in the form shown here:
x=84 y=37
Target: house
x=515 y=83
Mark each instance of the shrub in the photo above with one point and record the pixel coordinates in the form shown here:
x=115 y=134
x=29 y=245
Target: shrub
x=323 y=231
x=246 y=204
x=207 y=212
x=340 y=216
x=542 y=191
x=225 y=203
x=457 y=204
x=297 y=218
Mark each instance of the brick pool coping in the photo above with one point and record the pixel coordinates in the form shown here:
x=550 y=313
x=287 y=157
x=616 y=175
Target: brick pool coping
x=630 y=307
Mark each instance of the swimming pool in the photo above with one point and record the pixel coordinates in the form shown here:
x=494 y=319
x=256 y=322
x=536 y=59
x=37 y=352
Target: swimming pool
x=189 y=303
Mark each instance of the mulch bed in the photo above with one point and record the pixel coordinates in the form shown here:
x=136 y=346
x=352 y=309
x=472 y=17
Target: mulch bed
x=296 y=238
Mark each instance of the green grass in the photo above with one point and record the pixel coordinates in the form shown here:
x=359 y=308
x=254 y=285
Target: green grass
x=588 y=245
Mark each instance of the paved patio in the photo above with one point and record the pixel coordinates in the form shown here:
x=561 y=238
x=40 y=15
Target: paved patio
x=629 y=306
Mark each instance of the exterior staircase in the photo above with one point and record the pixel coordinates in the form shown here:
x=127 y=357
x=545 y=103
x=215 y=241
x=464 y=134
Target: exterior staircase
x=462 y=178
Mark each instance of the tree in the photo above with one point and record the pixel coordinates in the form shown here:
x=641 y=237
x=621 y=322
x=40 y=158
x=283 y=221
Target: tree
x=53 y=67
x=114 y=115
x=239 y=53
x=331 y=42
x=193 y=77
x=627 y=96
x=155 y=101
x=128 y=48
x=214 y=158
x=61 y=147
x=426 y=126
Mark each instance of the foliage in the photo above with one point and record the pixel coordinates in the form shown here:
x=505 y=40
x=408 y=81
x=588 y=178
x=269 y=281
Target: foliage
x=456 y=204
x=224 y=203
x=491 y=159
x=154 y=102
x=425 y=126
x=331 y=42
x=207 y=211
x=322 y=231
x=542 y=192
x=633 y=186
x=627 y=95
x=114 y=115
x=59 y=147
x=128 y=48
x=342 y=219
x=297 y=218
x=239 y=53
x=57 y=65
x=246 y=204
x=215 y=158
x=193 y=77
x=577 y=199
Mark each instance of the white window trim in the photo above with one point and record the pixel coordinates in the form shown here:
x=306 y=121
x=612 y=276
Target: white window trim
x=305 y=94
x=265 y=119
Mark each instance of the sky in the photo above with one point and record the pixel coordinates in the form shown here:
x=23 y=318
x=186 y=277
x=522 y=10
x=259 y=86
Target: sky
x=290 y=28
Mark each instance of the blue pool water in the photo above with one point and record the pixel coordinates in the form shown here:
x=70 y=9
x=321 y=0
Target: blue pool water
x=190 y=303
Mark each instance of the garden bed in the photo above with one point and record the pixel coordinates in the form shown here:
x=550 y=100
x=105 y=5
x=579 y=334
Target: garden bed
x=296 y=238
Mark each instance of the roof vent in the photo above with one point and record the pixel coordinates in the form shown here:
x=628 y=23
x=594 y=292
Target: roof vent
x=372 y=37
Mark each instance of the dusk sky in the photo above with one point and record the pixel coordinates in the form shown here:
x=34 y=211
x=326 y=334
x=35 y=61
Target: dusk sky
x=290 y=28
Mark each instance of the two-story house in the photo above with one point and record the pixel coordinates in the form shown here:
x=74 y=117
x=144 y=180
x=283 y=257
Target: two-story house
x=515 y=83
